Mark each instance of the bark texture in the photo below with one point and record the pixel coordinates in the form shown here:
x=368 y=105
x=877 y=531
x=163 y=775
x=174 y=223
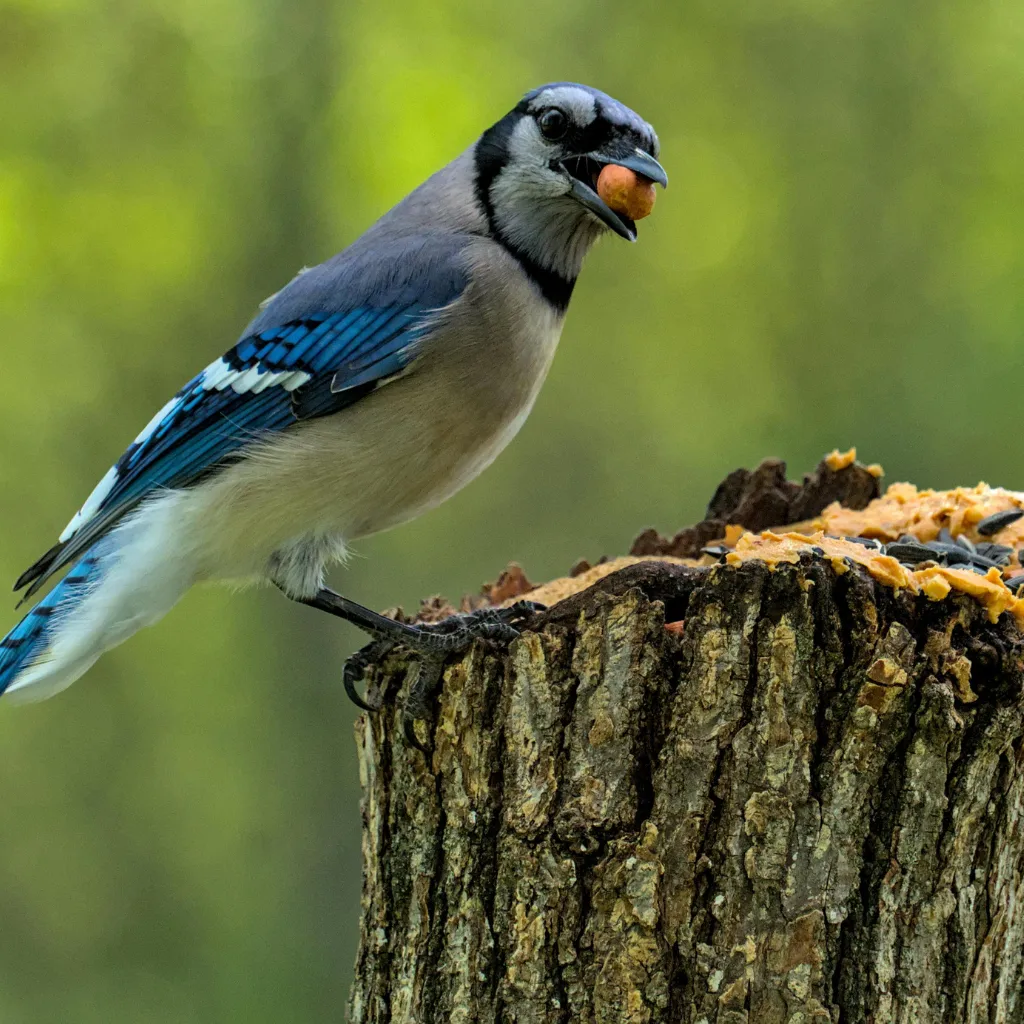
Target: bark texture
x=805 y=804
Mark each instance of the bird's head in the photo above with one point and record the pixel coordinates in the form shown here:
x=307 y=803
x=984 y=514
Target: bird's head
x=538 y=167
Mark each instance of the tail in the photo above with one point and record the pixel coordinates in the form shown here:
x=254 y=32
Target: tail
x=128 y=579
x=28 y=669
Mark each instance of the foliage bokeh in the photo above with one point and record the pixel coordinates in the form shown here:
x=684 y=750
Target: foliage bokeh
x=837 y=261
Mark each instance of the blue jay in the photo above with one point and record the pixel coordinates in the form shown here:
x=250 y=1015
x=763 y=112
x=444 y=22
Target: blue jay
x=368 y=390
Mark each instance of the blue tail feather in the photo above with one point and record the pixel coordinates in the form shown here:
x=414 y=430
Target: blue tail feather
x=29 y=639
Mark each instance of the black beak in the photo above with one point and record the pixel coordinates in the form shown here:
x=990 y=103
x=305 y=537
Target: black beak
x=639 y=161
x=584 y=179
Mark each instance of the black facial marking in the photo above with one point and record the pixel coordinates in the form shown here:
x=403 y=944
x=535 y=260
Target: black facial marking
x=492 y=154
x=614 y=130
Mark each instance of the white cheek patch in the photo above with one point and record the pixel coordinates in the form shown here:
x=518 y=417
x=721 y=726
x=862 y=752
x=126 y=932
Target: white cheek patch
x=528 y=158
x=578 y=103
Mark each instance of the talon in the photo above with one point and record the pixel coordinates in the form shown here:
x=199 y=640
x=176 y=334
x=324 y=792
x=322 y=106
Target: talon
x=356 y=666
x=418 y=704
x=354 y=695
x=434 y=641
x=409 y=731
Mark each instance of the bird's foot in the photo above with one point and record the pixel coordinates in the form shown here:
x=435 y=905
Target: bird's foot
x=356 y=666
x=457 y=632
x=434 y=641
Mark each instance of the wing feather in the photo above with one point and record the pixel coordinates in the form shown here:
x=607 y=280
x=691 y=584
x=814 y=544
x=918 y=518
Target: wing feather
x=336 y=333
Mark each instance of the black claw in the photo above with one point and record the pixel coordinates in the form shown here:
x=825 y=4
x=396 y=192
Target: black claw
x=419 y=703
x=518 y=614
x=457 y=622
x=353 y=693
x=409 y=731
x=991 y=525
x=356 y=667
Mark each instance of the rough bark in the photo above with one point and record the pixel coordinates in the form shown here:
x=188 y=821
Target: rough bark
x=803 y=802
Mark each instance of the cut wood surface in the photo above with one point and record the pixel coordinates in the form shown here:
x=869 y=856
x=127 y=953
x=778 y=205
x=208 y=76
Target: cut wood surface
x=706 y=794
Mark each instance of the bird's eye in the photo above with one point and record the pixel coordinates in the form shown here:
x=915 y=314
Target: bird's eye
x=553 y=123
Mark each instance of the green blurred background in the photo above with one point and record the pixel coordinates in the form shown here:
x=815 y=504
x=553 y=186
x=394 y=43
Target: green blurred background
x=837 y=262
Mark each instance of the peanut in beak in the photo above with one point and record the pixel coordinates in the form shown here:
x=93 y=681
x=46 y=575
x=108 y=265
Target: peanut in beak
x=625 y=191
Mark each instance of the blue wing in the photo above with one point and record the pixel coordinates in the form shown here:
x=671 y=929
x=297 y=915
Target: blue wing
x=336 y=333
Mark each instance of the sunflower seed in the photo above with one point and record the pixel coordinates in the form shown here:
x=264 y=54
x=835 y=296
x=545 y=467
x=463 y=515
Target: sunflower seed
x=867 y=542
x=997 y=552
x=992 y=524
x=910 y=552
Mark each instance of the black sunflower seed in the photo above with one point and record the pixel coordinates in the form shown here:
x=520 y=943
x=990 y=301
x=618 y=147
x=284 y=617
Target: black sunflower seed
x=951 y=554
x=867 y=542
x=715 y=551
x=999 y=553
x=986 y=563
x=910 y=552
x=992 y=524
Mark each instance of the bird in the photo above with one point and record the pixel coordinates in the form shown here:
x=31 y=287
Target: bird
x=366 y=391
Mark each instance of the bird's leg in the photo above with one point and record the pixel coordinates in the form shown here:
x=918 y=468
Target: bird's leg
x=448 y=636
x=433 y=640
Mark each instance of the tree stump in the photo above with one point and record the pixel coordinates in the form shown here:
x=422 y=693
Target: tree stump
x=801 y=801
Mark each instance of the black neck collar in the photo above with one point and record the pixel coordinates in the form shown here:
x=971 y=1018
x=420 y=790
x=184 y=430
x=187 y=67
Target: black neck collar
x=491 y=156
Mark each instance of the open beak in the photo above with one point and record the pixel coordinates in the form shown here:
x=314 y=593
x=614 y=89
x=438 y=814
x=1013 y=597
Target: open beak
x=584 y=170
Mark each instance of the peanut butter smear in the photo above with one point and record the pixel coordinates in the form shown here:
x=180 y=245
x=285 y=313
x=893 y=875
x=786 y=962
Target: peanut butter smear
x=935 y=582
x=903 y=509
x=901 y=514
